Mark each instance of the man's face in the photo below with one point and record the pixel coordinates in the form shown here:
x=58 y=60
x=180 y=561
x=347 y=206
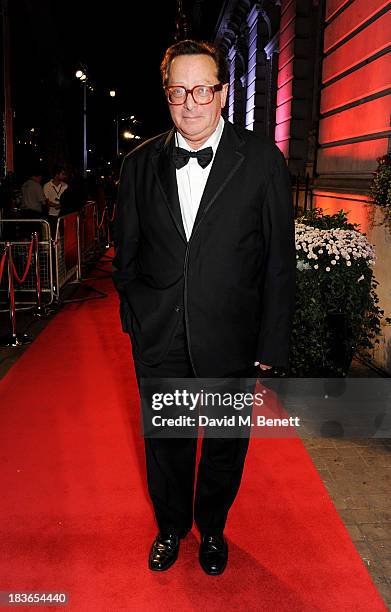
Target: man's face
x=61 y=176
x=196 y=122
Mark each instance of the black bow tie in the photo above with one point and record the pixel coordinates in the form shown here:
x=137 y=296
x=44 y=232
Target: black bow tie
x=182 y=156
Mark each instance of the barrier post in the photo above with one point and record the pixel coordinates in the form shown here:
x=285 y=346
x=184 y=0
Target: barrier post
x=13 y=339
x=109 y=222
x=107 y=228
x=56 y=259
x=37 y=271
x=39 y=310
x=78 y=274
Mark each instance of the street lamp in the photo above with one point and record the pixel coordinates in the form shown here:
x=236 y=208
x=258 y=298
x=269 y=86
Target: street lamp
x=112 y=94
x=83 y=78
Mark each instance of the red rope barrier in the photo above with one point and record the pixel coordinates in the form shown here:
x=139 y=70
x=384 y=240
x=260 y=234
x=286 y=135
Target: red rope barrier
x=111 y=219
x=30 y=255
x=103 y=217
x=2 y=263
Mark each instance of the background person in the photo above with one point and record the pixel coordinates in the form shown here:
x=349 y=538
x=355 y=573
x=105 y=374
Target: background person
x=34 y=202
x=53 y=191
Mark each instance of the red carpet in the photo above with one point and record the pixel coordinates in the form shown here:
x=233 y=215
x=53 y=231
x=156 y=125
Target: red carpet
x=75 y=515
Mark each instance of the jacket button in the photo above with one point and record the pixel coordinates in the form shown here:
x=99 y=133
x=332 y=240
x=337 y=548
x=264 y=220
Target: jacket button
x=177 y=309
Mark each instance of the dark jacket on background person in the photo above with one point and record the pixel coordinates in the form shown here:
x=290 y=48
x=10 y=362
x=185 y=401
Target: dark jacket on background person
x=73 y=198
x=233 y=281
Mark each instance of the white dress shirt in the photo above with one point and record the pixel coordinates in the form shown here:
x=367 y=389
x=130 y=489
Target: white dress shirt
x=53 y=193
x=191 y=179
x=32 y=196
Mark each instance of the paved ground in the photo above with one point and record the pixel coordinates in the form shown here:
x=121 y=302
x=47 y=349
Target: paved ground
x=357 y=474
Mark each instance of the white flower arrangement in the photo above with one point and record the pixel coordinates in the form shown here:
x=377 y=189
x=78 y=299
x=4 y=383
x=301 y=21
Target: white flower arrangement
x=336 y=313
x=330 y=248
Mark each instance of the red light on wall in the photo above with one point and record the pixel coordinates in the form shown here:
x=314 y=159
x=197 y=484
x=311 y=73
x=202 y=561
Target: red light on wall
x=355 y=205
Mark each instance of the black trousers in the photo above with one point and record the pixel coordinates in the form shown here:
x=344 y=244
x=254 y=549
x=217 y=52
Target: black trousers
x=171 y=463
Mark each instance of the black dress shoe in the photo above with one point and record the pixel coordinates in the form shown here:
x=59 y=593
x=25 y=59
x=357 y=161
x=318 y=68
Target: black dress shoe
x=164 y=552
x=213 y=554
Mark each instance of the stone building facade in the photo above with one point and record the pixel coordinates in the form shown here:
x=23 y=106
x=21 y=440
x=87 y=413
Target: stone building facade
x=315 y=75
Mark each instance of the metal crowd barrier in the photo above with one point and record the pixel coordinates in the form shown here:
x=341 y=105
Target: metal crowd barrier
x=13 y=338
x=79 y=239
x=88 y=233
x=67 y=251
x=17 y=233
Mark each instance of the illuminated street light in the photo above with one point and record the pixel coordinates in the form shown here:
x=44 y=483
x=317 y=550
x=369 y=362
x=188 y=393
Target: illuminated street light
x=83 y=78
x=113 y=94
x=128 y=135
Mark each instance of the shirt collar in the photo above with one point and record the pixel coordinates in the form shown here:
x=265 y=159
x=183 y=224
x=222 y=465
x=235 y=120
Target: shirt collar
x=213 y=140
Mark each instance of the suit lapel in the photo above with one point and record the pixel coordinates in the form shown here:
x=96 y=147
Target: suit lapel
x=166 y=177
x=227 y=160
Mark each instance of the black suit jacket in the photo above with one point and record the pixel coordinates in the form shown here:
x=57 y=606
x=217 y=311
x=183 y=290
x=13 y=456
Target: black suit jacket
x=233 y=281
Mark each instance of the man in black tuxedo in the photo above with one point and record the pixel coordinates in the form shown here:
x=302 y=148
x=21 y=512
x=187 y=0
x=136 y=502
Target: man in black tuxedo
x=205 y=268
